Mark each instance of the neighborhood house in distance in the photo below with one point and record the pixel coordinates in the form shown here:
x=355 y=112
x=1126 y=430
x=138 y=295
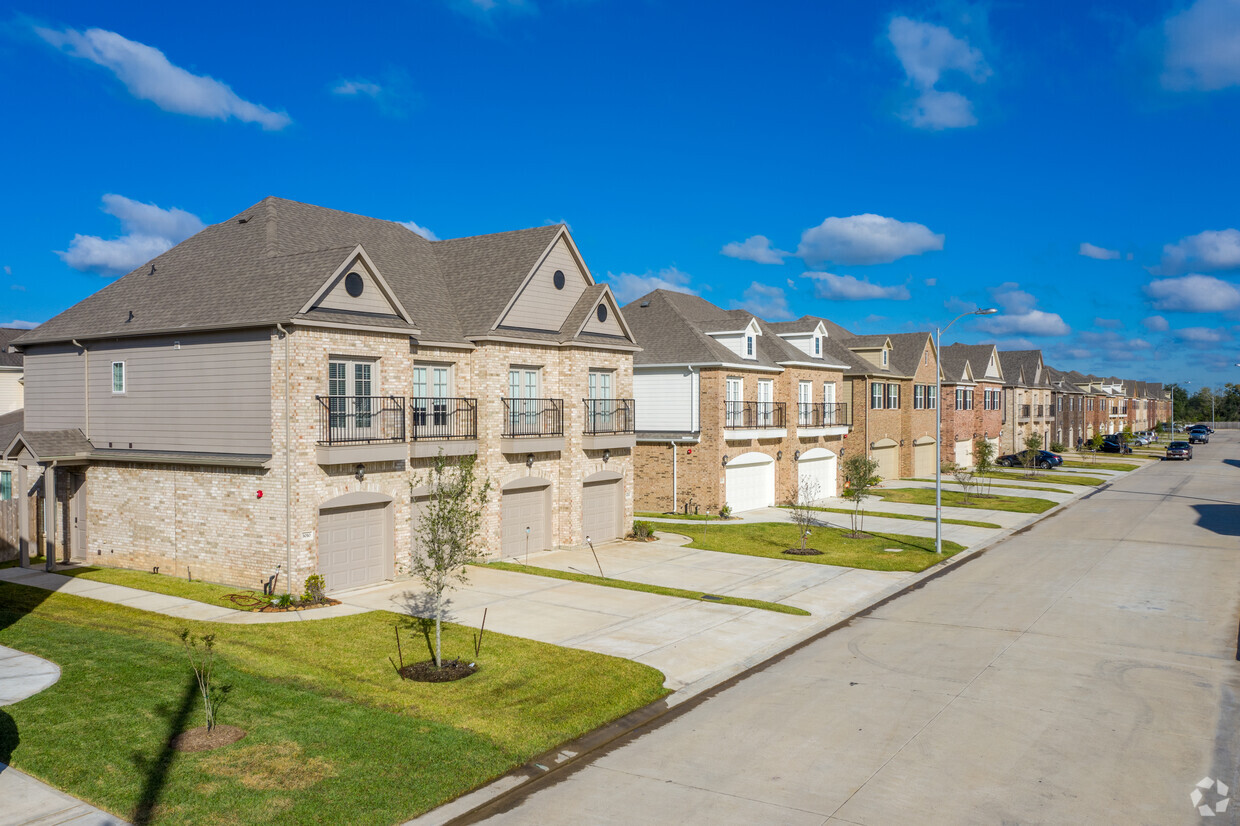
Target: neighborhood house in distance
x=271 y=392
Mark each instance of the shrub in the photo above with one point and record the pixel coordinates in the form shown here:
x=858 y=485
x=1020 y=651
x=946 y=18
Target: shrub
x=643 y=530
x=1057 y=447
x=725 y=511
x=315 y=589
x=284 y=601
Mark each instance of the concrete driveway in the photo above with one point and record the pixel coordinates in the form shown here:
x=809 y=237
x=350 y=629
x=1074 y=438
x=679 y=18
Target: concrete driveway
x=1083 y=671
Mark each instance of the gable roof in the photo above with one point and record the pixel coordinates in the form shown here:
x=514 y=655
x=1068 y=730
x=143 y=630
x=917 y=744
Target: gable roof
x=7 y=336
x=262 y=266
x=1020 y=368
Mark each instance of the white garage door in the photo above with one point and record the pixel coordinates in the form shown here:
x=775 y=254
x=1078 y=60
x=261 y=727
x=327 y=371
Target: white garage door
x=888 y=462
x=750 y=482
x=924 y=463
x=600 y=510
x=353 y=546
x=521 y=509
x=964 y=453
x=817 y=465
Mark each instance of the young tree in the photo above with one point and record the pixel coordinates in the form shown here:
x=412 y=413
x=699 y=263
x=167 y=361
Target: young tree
x=803 y=513
x=447 y=531
x=1033 y=443
x=201 y=654
x=858 y=479
x=963 y=475
x=984 y=461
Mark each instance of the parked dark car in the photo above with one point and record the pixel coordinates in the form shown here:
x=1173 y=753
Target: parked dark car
x=1201 y=426
x=1179 y=450
x=1114 y=444
x=1045 y=459
x=1200 y=435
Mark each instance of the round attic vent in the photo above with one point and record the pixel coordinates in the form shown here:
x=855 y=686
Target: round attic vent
x=353 y=284
x=558 y=279
x=602 y=313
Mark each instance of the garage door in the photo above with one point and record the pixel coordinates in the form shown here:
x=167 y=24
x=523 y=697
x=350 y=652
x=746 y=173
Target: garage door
x=522 y=509
x=924 y=463
x=750 y=482
x=888 y=462
x=817 y=467
x=353 y=546
x=600 y=509
x=964 y=453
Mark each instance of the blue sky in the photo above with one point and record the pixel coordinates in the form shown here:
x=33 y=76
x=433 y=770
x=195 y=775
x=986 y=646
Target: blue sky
x=885 y=165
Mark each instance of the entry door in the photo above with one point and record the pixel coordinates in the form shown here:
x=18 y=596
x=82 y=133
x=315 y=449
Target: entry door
x=735 y=395
x=602 y=403
x=766 y=401
x=429 y=406
x=350 y=385
x=805 y=404
x=78 y=508
x=828 y=403
x=523 y=391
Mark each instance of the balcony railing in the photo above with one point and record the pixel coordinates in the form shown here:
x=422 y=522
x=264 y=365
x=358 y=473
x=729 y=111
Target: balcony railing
x=754 y=415
x=1024 y=411
x=608 y=416
x=442 y=419
x=533 y=417
x=345 y=420
x=822 y=414
x=1041 y=411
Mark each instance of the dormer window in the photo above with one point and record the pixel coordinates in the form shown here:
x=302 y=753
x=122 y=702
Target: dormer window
x=884 y=356
x=749 y=346
x=817 y=345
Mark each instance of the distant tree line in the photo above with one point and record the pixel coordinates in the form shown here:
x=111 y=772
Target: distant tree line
x=1196 y=408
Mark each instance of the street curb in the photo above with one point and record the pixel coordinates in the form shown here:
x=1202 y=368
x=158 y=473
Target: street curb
x=506 y=791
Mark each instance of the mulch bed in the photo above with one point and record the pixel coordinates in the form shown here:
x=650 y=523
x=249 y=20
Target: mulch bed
x=426 y=672
x=806 y=552
x=275 y=609
x=199 y=739
x=632 y=538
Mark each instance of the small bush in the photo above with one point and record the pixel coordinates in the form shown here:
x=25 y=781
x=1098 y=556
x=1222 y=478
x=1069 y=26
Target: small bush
x=725 y=511
x=315 y=589
x=643 y=530
x=1057 y=447
x=283 y=601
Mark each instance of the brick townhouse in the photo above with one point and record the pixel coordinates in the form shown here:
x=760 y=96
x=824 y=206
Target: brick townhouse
x=1069 y=401
x=1027 y=399
x=972 y=400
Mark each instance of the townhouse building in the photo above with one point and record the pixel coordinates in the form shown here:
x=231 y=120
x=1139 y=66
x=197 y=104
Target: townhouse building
x=731 y=409
x=1069 y=402
x=269 y=395
x=972 y=400
x=1027 y=399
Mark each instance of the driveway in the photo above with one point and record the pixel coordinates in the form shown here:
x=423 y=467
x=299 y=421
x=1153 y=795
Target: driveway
x=1083 y=671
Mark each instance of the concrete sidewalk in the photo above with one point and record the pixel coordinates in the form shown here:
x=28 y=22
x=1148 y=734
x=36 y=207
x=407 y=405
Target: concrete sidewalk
x=24 y=675
x=30 y=802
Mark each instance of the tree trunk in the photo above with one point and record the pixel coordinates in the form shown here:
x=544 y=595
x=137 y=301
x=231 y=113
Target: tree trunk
x=438 y=621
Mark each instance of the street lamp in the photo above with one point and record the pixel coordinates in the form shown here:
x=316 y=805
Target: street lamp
x=938 y=425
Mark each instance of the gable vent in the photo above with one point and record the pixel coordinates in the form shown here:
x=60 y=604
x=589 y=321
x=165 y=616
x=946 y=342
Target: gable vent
x=602 y=313
x=558 y=279
x=353 y=284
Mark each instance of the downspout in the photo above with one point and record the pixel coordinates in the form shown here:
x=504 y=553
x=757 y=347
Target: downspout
x=85 y=386
x=672 y=442
x=288 y=476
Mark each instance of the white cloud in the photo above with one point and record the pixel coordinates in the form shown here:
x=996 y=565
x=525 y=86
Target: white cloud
x=413 y=226
x=8 y=270
x=1202 y=47
x=1200 y=335
x=926 y=52
x=21 y=325
x=1156 y=324
x=1209 y=250
x=848 y=288
x=149 y=75
x=353 y=88
x=1012 y=298
x=865 y=239
x=628 y=286
x=1028 y=323
x=1193 y=294
x=1101 y=253
x=149 y=231
x=930 y=282
x=756 y=248
x=1109 y=323
x=766 y=302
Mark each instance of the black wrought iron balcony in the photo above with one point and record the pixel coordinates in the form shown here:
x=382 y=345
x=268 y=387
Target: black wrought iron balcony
x=533 y=418
x=442 y=419
x=754 y=415
x=1024 y=411
x=822 y=414
x=361 y=420
x=606 y=417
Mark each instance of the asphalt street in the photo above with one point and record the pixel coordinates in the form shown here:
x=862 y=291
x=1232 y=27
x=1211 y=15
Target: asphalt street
x=1082 y=671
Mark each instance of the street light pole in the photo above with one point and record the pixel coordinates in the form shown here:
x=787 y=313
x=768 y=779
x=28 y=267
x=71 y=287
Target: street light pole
x=938 y=425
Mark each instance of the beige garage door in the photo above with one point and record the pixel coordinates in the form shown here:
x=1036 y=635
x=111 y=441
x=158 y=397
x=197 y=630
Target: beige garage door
x=600 y=506
x=522 y=509
x=964 y=453
x=353 y=546
x=924 y=463
x=888 y=462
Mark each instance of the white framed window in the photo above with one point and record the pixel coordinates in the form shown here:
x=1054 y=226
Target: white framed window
x=749 y=346
x=118 y=377
x=601 y=407
x=818 y=345
x=766 y=401
x=893 y=396
x=919 y=397
x=524 y=384
x=432 y=384
x=734 y=394
x=884 y=357
x=351 y=387
x=932 y=391
x=805 y=403
x=829 y=415
x=876 y=395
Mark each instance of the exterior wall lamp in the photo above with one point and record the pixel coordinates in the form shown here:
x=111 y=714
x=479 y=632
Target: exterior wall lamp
x=725 y=461
x=606 y=456
x=360 y=472
x=796 y=455
x=529 y=460
x=779 y=455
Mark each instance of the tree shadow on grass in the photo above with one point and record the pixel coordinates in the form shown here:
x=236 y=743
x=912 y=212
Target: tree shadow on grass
x=156 y=768
x=1220 y=519
x=9 y=740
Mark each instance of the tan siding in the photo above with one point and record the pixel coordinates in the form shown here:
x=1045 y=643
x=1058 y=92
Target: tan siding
x=212 y=395
x=371 y=300
x=54 y=388
x=540 y=306
x=11 y=393
x=610 y=327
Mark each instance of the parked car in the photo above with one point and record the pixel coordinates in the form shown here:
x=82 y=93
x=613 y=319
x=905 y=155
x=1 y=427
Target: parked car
x=1114 y=444
x=1201 y=426
x=1179 y=450
x=1140 y=439
x=1202 y=436
x=1044 y=459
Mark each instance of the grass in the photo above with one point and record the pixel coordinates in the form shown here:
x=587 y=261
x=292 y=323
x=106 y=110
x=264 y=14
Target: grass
x=771 y=539
x=690 y=517
x=956 y=499
x=993 y=485
x=161 y=584
x=649 y=589
x=335 y=736
x=1045 y=476
x=909 y=516
x=1101 y=465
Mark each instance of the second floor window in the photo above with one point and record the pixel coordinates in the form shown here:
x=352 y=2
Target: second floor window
x=429 y=404
x=893 y=396
x=118 y=377
x=749 y=346
x=350 y=387
x=876 y=395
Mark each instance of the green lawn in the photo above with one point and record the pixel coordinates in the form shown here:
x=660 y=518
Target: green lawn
x=908 y=516
x=161 y=584
x=770 y=539
x=990 y=484
x=691 y=517
x=955 y=499
x=1101 y=465
x=1045 y=476
x=335 y=736
x=628 y=585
